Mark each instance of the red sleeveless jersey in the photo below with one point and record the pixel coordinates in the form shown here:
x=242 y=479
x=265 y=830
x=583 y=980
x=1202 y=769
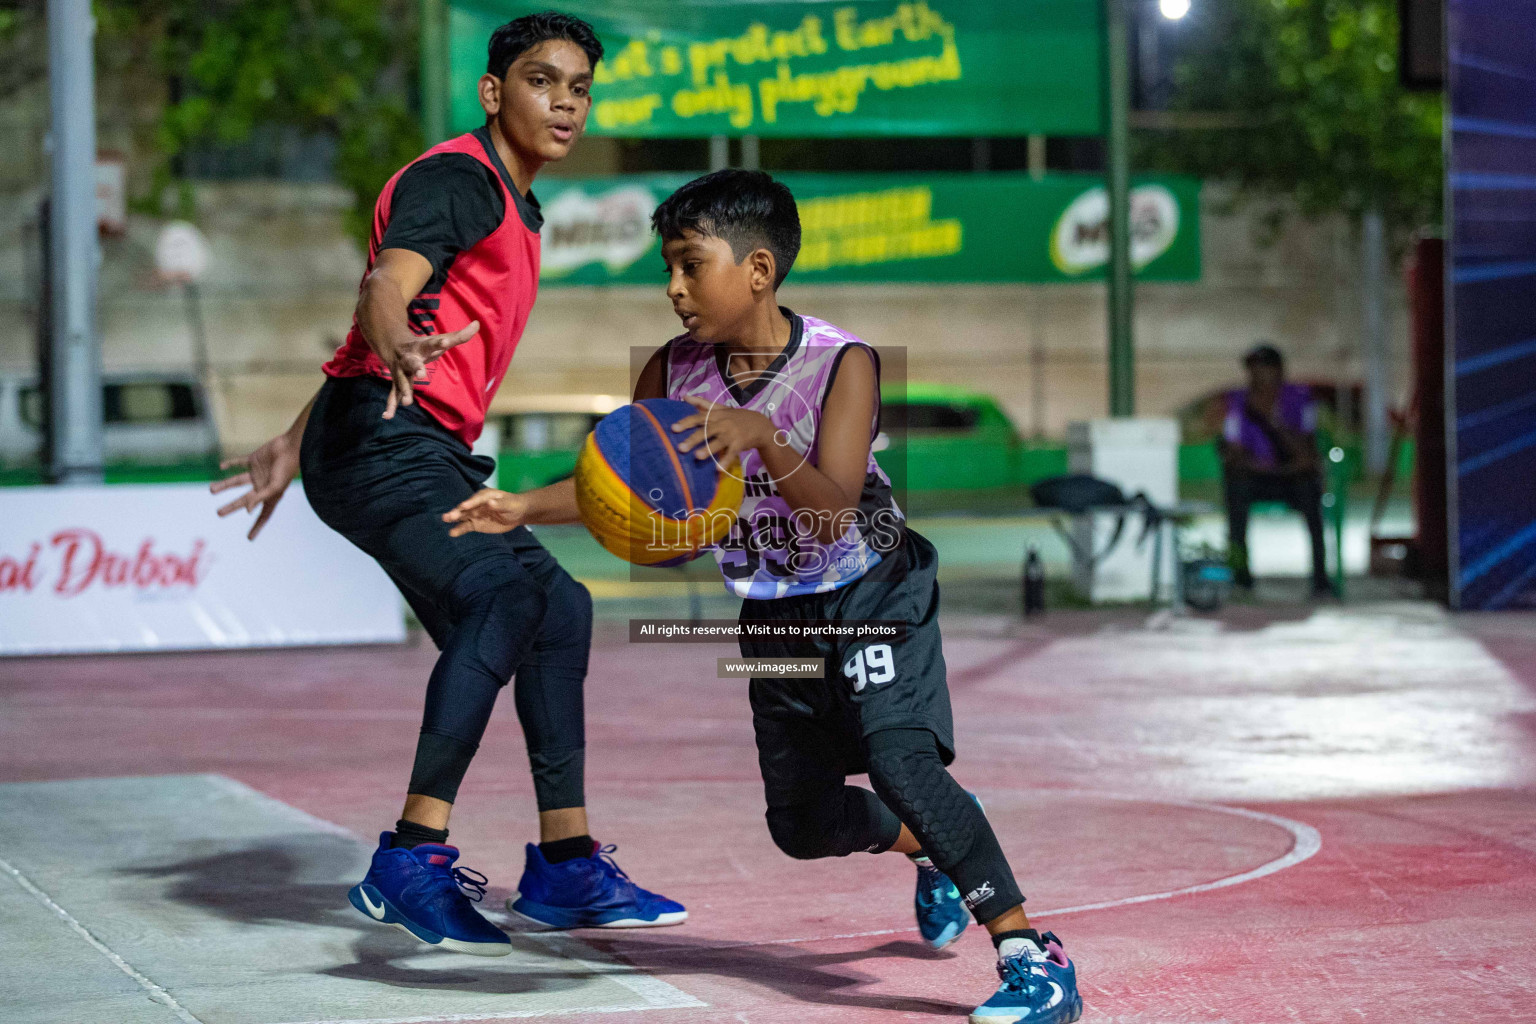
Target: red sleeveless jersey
x=494 y=282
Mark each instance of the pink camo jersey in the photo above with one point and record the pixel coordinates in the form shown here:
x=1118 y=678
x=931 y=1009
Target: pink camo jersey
x=773 y=551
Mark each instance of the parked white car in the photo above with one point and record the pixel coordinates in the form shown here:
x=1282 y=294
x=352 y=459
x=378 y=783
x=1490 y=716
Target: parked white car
x=150 y=419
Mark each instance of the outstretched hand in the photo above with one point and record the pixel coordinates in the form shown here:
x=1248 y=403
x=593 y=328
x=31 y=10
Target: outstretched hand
x=407 y=363
x=268 y=472
x=487 y=511
x=722 y=431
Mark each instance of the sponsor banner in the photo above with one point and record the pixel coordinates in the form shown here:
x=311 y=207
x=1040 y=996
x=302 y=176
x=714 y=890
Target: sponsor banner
x=152 y=568
x=869 y=228
x=801 y=68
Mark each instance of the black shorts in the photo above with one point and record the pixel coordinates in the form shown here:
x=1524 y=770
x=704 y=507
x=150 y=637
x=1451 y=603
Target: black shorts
x=810 y=730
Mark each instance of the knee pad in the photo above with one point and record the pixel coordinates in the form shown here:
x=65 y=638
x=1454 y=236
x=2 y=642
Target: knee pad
x=550 y=698
x=511 y=612
x=908 y=774
x=834 y=824
x=504 y=608
x=801 y=830
x=565 y=638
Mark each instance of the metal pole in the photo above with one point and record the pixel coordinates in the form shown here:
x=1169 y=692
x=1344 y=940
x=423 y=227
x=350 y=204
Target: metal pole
x=45 y=446
x=1036 y=369
x=751 y=153
x=75 y=377
x=434 y=72
x=981 y=154
x=1037 y=156
x=719 y=152
x=1373 y=243
x=202 y=362
x=1345 y=308
x=1117 y=85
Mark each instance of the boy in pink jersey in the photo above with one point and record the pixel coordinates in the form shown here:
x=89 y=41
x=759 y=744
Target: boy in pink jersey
x=820 y=539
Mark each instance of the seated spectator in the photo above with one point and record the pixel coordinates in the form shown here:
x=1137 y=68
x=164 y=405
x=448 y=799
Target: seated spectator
x=1269 y=453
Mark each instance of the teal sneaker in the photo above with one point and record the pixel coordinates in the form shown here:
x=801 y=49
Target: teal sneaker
x=941 y=913
x=1039 y=985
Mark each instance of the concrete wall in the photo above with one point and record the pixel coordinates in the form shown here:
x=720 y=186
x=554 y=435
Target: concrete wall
x=284 y=279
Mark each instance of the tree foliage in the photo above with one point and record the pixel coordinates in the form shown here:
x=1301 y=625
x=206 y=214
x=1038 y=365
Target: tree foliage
x=1319 y=117
x=346 y=68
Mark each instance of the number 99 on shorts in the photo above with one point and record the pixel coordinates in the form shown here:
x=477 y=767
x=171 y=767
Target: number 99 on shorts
x=870 y=666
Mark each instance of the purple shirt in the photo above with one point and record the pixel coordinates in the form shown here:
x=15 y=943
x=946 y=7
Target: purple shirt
x=1294 y=409
x=770 y=554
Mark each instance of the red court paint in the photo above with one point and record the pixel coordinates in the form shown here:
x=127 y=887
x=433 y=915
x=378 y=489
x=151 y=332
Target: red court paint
x=1401 y=736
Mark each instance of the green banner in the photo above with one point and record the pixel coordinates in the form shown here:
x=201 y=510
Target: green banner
x=894 y=227
x=804 y=68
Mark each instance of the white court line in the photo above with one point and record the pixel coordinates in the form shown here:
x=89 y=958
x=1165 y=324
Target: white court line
x=156 y=993
x=657 y=994
x=235 y=787
x=448 y=1018
x=232 y=713
x=1306 y=841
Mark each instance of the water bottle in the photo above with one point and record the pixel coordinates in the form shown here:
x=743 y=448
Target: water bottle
x=1034 y=582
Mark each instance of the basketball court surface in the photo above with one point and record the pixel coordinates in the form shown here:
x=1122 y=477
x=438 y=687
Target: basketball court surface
x=1289 y=814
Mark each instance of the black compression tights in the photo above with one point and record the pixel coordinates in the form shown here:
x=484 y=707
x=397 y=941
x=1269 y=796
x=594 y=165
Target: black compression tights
x=912 y=788
x=503 y=622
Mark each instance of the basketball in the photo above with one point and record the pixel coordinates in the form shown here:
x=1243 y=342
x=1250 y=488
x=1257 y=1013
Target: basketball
x=645 y=501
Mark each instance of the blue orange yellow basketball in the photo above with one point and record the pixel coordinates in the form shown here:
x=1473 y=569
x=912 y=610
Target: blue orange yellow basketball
x=644 y=500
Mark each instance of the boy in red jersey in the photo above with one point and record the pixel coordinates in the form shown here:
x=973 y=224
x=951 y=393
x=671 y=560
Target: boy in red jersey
x=453 y=265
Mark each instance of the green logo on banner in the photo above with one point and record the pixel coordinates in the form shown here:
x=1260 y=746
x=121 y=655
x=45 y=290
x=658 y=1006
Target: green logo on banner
x=1080 y=239
x=610 y=226
x=892 y=227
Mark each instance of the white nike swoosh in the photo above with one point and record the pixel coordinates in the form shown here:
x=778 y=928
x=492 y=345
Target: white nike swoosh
x=376 y=909
x=1057 y=995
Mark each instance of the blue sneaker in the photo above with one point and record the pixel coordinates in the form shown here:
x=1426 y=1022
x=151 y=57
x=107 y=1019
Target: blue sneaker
x=941 y=914
x=420 y=891
x=1039 y=985
x=588 y=892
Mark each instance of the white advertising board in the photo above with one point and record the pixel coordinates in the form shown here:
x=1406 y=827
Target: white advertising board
x=152 y=568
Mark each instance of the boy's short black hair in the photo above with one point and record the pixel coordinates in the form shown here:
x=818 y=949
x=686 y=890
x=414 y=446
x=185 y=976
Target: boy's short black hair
x=1264 y=354
x=520 y=35
x=748 y=209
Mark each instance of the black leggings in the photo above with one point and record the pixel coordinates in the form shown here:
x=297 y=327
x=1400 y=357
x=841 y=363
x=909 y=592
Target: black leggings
x=485 y=638
x=911 y=787
x=1302 y=491
x=496 y=605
